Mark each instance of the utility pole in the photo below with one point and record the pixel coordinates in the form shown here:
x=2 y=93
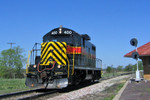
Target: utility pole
x=11 y=44
x=10 y=64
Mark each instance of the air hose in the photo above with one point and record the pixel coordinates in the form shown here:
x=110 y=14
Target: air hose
x=45 y=68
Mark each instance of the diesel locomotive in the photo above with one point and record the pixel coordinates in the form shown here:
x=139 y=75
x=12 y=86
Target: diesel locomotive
x=63 y=58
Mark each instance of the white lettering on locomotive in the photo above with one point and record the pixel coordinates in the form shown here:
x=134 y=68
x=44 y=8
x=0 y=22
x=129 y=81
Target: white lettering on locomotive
x=67 y=32
x=54 y=33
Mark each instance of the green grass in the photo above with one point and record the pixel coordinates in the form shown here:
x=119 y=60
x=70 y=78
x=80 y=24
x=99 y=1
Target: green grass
x=109 y=98
x=12 y=85
x=113 y=91
x=112 y=74
x=148 y=90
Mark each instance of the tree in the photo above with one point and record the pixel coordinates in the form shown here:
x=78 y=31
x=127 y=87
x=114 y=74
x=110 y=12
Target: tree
x=11 y=62
x=128 y=67
x=131 y=67
x=140 y=64
x=119 y=68
x=108 y=69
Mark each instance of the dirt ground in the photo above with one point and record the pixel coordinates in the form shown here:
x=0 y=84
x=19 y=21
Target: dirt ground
x=107 y=94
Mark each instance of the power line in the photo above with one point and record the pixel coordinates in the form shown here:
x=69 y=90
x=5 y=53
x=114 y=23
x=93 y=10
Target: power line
x=11 y=44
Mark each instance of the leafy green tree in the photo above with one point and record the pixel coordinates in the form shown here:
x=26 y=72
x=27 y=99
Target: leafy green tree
x=140 y=64
x=128 y=67
x=119 y=68
x=11 y=63
x=109 y=69
x=131 y=67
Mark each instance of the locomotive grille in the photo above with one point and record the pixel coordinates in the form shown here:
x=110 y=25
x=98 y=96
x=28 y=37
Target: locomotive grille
x=53 y=51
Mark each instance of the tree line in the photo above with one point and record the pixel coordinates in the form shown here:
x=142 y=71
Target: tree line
x=129 y=67
x=12 y=62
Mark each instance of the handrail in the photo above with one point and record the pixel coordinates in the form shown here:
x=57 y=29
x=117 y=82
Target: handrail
x=27 y=64
x=68 y=67
x=73 y=62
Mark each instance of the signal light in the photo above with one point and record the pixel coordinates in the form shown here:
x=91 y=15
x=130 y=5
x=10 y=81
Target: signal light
x=134 y=42
x=135 y=55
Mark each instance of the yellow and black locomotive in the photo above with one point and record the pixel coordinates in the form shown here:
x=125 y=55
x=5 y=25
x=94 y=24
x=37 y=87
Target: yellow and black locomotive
x=64 y=58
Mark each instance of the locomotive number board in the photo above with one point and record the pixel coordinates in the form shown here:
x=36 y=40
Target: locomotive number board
x=61 y=31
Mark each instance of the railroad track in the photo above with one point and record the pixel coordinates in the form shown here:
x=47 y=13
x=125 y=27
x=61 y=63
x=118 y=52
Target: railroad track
x=27 y=95
x=36 y=93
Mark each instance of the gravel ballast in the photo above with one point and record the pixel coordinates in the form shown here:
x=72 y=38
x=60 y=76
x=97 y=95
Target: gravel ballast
x=89 y=90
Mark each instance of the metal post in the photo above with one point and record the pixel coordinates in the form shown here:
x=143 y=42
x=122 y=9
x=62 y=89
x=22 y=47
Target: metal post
x=137 y=71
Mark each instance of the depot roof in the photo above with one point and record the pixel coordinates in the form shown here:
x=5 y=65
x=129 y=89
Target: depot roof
x=143 y=50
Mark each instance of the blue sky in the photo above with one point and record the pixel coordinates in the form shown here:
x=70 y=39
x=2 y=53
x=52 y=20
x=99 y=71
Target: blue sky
x=110 y=24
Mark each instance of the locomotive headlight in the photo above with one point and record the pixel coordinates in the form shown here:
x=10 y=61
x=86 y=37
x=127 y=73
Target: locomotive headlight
x=58 y=66
x=34 y=66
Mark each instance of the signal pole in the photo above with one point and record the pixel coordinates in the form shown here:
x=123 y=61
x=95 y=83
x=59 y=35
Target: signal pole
x=11 y=44
x=135 y=56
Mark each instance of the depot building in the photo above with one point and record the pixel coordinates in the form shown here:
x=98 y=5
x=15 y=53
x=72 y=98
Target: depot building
x=144 y=55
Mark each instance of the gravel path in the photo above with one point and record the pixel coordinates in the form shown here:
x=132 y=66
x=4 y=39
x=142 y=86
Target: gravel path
x=89 y=90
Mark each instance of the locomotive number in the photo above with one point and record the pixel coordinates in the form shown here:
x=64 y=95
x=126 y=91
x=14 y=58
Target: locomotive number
x=67 y=32
x=54 y=33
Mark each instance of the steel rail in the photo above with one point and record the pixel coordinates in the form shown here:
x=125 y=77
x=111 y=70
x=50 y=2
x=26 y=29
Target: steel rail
x=37 y=95
x=17 y=93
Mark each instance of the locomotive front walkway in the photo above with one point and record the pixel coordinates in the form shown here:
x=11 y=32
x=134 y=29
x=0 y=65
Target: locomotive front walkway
x=135 y=91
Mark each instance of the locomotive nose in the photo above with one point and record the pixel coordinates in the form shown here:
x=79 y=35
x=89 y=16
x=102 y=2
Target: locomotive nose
x=53 y=52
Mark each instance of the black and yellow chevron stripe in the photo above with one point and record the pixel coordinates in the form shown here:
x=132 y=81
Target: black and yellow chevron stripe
x=53 y=51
